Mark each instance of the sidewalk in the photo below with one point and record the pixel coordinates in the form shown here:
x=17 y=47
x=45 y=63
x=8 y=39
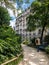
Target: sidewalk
x=32 y=57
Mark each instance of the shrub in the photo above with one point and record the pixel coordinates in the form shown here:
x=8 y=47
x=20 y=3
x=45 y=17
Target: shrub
x=46 y=39
x=10 y=43
x=33 y=41
x=4 y=16
x=47 y=49
x=26 y=42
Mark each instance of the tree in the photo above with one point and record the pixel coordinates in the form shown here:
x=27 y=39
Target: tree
x=10 y=4
x=4 y=16
x=39 y=16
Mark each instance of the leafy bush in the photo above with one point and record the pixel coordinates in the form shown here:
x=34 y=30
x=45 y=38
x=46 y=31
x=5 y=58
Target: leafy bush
x=33 y=42
x=46 y=39
x=10 y=43
x=16 y=62
x=4 y=16
x=26 y=42
x=47 y=49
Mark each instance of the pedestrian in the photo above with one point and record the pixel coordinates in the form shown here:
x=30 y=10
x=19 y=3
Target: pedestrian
x=37 y=41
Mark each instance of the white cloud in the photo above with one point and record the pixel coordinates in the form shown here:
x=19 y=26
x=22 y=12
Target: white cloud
x=12 y=23
x=10 y=12
x=19 y=11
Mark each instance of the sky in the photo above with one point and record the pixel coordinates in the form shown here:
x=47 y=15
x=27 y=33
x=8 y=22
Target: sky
x=24 y=6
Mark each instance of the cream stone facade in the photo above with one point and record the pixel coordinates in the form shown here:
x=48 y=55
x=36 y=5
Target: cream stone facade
x=21 y=26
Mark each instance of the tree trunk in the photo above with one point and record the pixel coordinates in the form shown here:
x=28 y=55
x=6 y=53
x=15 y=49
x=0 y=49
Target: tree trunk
x=42 y=32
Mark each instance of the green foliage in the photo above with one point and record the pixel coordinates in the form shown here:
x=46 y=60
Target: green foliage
x=46 y=39
x=39 y=16
x=10 y=43
x=47 y=49
x=16 y=62
x=7 y=3
x=30 y=24
x=26 y=42
x=4 y=16
x=33 y=42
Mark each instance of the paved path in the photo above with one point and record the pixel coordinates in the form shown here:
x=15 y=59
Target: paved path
x=32 y=57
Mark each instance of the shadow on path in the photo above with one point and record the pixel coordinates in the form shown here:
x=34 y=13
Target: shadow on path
x=32 y=57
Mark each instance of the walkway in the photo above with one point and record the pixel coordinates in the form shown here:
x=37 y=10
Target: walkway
x=32 y=57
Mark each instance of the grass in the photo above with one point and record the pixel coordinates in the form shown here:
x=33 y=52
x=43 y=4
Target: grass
x=15 y=62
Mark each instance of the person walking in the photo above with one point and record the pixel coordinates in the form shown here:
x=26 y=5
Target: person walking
x=37 y=41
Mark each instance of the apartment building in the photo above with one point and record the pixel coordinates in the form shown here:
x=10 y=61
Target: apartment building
x=21 y=26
